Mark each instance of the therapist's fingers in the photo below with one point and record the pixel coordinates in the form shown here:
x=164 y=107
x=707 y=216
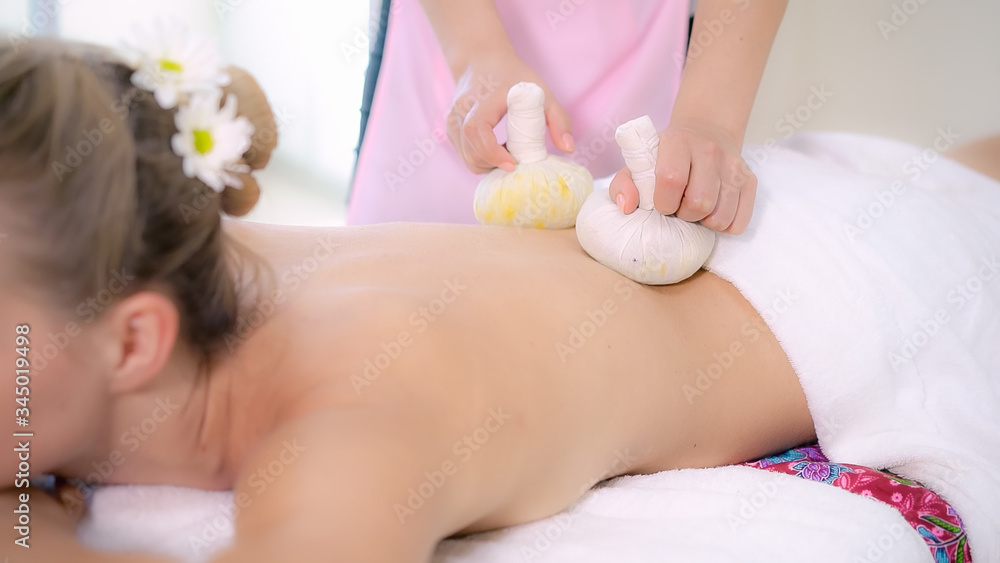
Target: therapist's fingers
x=725 y=208
x=748 y=196
x=673 y=169
x=704 y=184
x=481 y=151
x=480 y=148
x=466 y=116
x=560 y=125
x=455 y=120
x=623 y=191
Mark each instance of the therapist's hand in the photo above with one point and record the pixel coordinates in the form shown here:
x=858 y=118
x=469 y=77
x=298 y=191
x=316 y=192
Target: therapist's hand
x=700 y=177
x=481 y=101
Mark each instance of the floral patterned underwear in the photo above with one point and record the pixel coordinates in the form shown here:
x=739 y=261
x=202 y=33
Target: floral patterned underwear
x=933 y=518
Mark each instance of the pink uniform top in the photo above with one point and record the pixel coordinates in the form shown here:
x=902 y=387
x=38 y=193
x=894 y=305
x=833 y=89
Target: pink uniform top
x=606 y=61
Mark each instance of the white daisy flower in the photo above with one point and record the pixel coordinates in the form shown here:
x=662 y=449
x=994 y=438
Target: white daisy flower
x=174 y=63
x=212 y=140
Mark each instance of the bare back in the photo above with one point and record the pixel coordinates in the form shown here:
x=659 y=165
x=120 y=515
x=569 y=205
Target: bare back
x=531 y=371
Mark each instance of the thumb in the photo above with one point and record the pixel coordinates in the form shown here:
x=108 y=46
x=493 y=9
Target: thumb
x=623 y=191
x=560 y=126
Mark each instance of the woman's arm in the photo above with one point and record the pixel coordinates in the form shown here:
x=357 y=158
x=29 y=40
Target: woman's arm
x=331 y=486
x=467 y=29
x=335 y=486
x=729 y=47
x=700 y=174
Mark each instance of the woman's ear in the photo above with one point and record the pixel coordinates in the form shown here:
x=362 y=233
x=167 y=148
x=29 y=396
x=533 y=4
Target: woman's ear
x=144 y=329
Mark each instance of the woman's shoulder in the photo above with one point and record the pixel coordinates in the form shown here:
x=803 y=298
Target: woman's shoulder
x=346 y=345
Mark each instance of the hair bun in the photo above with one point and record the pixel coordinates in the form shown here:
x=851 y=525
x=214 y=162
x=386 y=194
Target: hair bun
x=237 y=202
x=254 y=106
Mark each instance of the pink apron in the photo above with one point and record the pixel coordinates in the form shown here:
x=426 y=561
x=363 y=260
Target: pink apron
x=607 y=61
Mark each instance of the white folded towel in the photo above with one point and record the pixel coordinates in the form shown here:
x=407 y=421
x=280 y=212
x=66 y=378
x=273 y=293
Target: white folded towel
x=729 y=514
x=875 y=264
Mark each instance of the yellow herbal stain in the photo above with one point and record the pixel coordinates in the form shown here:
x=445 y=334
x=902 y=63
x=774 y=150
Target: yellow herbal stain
x=529 y=199
x=508 y=214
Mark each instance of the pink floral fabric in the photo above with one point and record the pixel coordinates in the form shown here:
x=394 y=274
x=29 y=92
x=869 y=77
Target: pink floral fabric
x=933 y=518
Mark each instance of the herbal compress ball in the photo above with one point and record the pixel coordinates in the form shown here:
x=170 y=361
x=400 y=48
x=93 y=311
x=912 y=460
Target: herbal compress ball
x=646 y=246
x=544 y=191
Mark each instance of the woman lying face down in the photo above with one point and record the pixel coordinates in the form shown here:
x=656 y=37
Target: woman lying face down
x=413 y=382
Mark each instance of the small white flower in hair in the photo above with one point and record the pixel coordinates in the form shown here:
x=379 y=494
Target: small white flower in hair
x=174 y=63
x=212 y=140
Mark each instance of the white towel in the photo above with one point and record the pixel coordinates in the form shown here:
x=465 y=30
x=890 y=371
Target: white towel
x=875 y=264
x=729 y=514
x=186 y=524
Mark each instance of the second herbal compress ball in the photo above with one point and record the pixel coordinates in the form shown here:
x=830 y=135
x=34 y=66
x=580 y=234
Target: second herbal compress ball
x=645 y=246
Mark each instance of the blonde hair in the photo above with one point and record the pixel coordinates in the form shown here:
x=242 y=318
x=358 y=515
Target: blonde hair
x=89 y=182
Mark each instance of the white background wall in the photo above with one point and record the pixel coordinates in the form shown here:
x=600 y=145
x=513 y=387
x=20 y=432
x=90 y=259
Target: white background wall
x=310 y=57
x=13 y=15
x=940 y=68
